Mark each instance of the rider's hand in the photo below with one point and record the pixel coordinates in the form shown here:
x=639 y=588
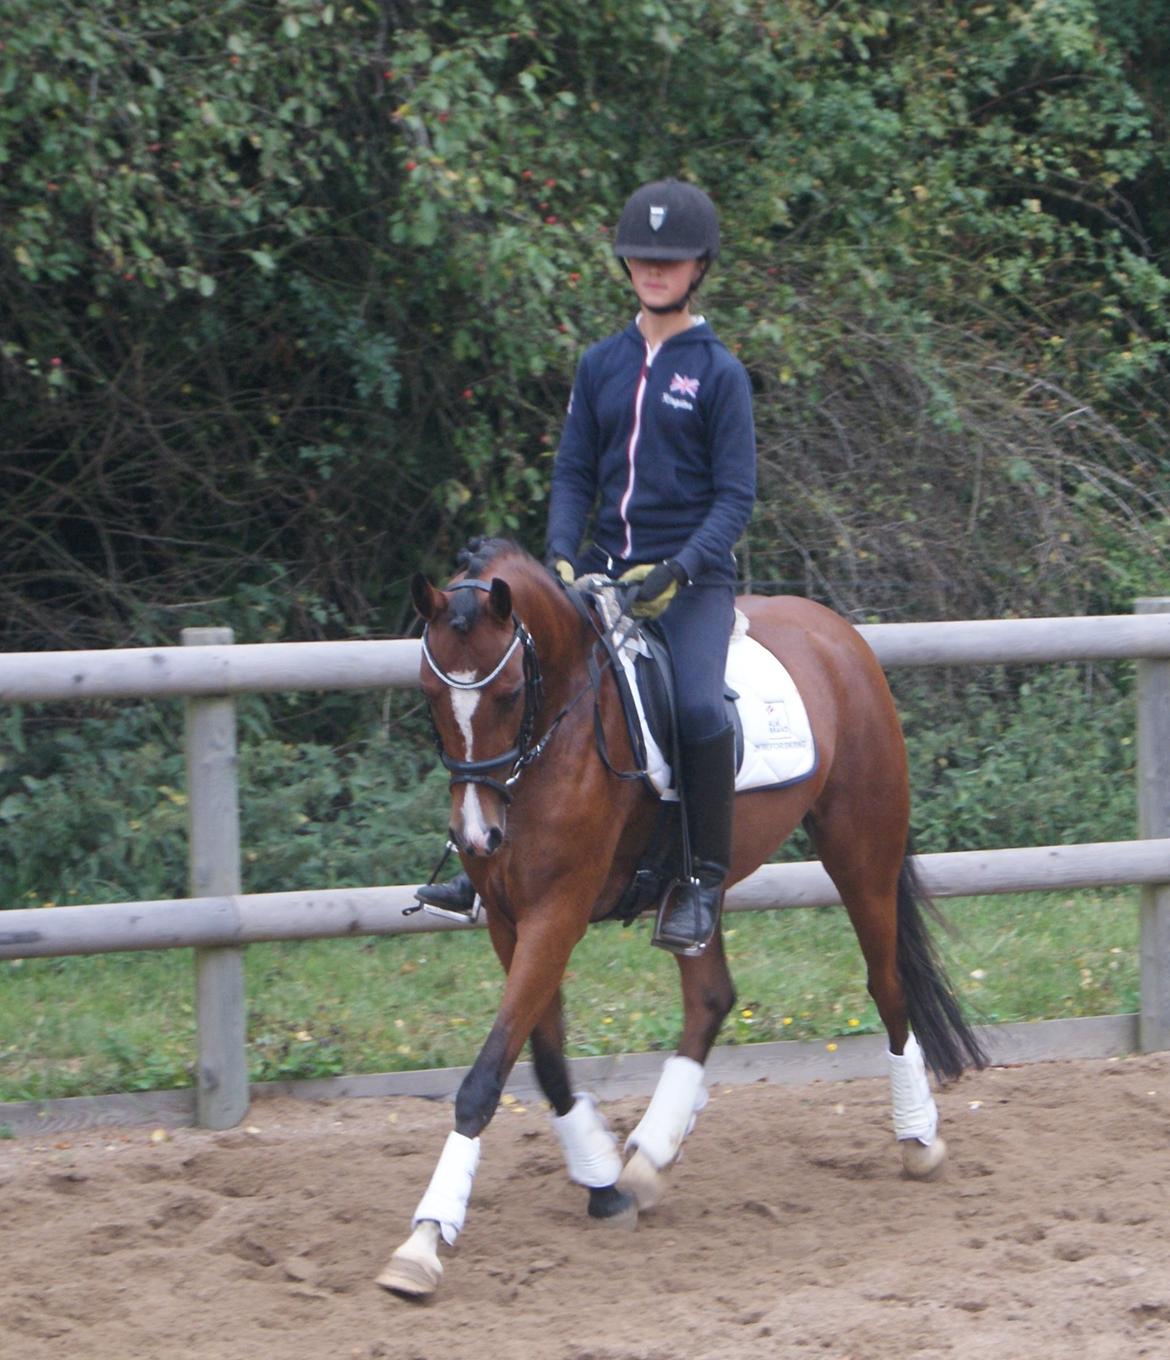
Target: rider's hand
x=657 y=584
x=561 y=568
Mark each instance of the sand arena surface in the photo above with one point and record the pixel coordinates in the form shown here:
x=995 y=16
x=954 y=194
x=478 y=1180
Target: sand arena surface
x=788 y=1232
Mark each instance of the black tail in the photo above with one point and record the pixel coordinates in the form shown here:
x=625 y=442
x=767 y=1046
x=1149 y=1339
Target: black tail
x=948 y=1042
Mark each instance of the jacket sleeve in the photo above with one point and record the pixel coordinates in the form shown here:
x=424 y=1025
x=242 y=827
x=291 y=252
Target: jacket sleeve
x=731 y=442
x=574 y=477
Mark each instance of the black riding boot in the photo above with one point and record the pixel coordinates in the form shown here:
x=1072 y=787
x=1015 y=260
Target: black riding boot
x=708 y=783
x=458 y=894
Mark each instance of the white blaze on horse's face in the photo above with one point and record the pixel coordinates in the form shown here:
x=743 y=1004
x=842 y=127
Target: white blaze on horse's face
x=472 y=830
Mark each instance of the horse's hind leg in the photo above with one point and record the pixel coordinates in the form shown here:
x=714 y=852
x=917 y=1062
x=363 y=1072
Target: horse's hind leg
x=708 y=996
x=589 y=1146
x=869 y=879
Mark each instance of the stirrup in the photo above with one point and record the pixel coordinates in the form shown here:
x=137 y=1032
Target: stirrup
x=467 y=915
x=686 y=945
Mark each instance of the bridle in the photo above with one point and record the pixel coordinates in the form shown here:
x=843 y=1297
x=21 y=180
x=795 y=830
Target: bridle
x=523 y=750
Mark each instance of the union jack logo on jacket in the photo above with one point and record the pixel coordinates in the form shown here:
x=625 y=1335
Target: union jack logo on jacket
x=686 y=387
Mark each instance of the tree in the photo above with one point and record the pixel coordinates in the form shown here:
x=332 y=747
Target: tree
x=293 y=295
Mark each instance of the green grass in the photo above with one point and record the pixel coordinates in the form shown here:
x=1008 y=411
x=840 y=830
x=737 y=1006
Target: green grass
x=125 y=1022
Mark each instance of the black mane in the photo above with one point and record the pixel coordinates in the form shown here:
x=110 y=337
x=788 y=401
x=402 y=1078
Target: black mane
x=481 y=552
x=476 y=560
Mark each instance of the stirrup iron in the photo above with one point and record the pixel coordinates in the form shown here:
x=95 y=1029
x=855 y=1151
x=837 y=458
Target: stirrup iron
x=686 y=944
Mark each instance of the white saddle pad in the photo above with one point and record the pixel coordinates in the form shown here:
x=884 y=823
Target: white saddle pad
x=778 y=745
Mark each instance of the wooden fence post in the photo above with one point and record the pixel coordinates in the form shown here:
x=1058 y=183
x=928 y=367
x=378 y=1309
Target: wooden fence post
x=1153 y=764
x=213 y=820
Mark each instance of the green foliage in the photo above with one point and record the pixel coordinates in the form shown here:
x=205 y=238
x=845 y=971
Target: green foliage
x=1042 y=757
x=291 y=298
x=96 y=811
x=292 y=295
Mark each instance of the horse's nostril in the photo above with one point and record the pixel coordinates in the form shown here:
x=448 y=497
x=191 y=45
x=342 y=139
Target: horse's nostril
x=495 y=838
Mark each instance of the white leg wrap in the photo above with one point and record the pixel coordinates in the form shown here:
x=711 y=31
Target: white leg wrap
x=678 y=1098
x=590 y=1148
x=445 y=1200
x=915 y=1113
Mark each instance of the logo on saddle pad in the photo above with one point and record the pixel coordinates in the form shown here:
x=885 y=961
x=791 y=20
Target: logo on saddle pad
x=776 y=720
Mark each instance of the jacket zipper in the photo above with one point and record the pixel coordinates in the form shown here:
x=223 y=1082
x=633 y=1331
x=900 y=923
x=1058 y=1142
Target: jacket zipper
x=631 y=453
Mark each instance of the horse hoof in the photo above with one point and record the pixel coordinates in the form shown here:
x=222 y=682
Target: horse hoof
x=613 y=1207
x=922 y=1163
x=642 y=1179
x=412 y=1274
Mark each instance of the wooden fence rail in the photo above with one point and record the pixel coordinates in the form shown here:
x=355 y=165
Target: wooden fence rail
x=218 y=921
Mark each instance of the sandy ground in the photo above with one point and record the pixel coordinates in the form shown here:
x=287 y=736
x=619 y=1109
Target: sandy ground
x=788 y=1232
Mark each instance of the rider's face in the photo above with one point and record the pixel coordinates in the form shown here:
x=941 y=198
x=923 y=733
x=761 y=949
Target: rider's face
x=662 y=283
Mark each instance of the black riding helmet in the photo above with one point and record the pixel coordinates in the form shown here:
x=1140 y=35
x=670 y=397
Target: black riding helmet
x=667 y=220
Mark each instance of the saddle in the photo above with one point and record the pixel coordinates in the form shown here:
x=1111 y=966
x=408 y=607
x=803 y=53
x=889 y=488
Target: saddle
x=774 y=744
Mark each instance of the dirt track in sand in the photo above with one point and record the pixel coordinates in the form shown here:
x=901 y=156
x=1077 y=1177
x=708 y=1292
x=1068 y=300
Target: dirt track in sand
x=788 y=1232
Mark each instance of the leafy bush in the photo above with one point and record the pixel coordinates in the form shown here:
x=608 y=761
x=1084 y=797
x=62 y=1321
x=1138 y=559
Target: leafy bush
x=292 y=295
x=1044 y=757
x=97 y=811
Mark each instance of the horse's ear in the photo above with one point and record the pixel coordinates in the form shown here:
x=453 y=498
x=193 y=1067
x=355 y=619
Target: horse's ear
x=500 y=599
x=429 y=602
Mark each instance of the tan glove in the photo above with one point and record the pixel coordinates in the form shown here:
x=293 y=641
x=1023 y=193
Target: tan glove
x=562 y=568
x=657 y=584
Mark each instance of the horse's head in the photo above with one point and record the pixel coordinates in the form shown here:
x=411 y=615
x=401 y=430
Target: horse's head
x=480 y=676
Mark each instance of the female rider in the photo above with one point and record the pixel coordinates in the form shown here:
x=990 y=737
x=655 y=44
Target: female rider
x=658 y=453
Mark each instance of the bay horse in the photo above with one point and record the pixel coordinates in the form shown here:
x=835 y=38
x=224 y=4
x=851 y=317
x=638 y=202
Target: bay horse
x=532 y=733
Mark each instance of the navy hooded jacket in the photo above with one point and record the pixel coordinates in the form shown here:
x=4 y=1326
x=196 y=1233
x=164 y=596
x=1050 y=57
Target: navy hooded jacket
x=665 y=446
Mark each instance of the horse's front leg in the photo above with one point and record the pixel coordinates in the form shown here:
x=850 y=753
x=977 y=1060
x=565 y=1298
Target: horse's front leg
x=535 y=959
x=708 y=996
x=587 y=1142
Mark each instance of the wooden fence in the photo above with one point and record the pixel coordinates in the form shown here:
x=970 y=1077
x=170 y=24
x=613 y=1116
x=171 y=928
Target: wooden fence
x=218 y=921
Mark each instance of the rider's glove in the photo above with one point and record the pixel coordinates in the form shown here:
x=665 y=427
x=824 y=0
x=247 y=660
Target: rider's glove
x=562 y=568
x=657 y=584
